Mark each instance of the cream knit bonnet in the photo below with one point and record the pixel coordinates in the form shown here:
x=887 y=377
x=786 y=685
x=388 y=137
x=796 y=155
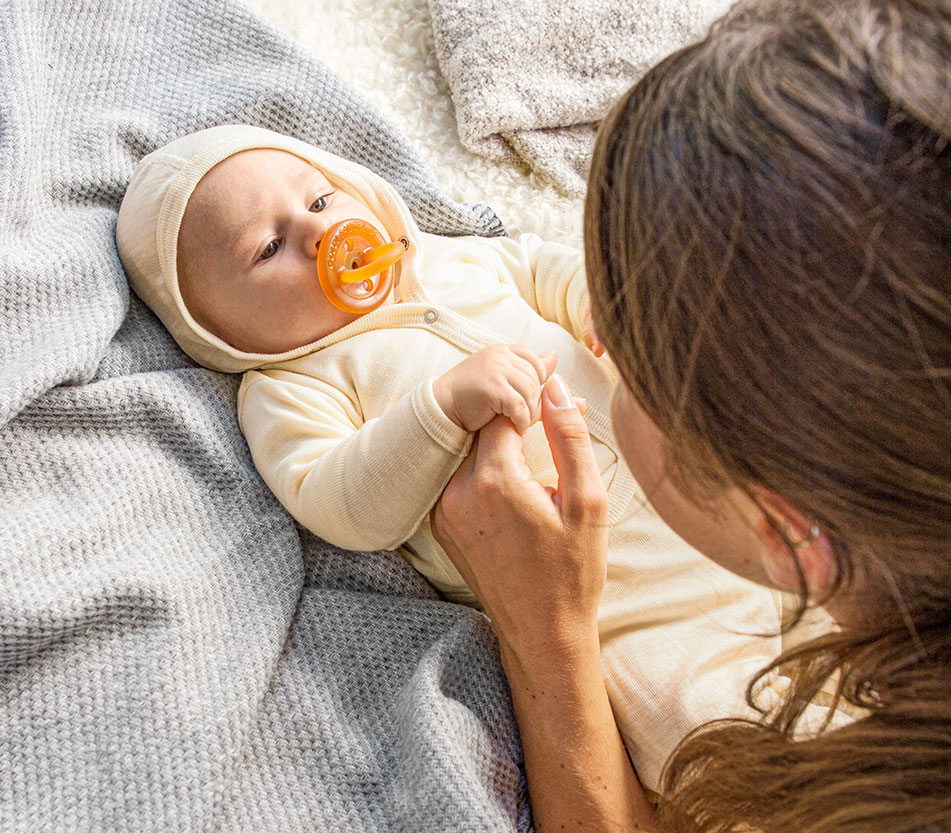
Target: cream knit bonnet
x=151 y=215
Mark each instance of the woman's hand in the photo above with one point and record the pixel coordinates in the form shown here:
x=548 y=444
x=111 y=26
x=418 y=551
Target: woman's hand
x=534 y=557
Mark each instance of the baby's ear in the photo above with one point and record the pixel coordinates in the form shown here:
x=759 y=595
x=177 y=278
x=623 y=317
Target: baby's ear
x=790 y=535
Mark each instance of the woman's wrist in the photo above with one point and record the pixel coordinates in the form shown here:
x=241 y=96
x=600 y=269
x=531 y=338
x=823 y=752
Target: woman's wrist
x=579 y=775
x=553 y=649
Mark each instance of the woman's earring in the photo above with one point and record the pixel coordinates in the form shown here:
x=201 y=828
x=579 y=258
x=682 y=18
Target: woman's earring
x=805 y=542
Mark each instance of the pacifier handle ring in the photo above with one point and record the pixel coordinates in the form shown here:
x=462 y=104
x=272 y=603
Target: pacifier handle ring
x=378 y=259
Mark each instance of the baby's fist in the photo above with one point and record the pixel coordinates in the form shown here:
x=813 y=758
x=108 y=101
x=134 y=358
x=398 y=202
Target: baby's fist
x=499 y=379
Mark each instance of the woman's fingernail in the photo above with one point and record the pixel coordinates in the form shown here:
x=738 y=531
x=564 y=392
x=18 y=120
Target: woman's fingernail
x=558 y=392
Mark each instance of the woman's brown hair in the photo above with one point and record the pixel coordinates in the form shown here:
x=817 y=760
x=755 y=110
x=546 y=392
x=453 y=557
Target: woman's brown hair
x=768 y=238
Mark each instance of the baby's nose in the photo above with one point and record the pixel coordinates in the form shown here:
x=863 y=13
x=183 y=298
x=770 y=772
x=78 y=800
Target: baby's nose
x=313 y=234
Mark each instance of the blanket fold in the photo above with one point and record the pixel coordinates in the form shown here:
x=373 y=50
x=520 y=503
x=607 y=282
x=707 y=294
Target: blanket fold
x=175 y=653
x=530 y=79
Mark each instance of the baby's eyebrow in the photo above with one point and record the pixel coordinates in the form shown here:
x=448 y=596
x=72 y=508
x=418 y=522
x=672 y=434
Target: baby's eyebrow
x=309 y=172
x=245 y=245
x=305 y=173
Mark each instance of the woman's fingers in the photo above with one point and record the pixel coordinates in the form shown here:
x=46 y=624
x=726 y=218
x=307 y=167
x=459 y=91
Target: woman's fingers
x=486 y=509
x=504 y=531
x=498 y=456
x=581 y=491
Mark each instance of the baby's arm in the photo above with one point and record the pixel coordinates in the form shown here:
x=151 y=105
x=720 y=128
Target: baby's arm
x=551 y=278
x=360 y=484
x=368 y=484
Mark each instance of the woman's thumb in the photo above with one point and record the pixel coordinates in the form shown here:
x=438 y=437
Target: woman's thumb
x=579 y=481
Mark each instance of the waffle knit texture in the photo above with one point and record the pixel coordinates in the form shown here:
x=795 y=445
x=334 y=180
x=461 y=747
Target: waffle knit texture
x=176 y=653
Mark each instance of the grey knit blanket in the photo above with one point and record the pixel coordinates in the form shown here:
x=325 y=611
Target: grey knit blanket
x=531 y=79
x=175 y=654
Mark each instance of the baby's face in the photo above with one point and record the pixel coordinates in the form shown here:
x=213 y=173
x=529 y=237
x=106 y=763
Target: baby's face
x=247 y=250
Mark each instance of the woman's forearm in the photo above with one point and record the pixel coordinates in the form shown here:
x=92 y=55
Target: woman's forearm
x=579 y=774
x=505 y=533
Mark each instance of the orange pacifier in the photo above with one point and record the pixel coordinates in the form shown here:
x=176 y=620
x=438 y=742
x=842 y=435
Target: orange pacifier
x=353 y=265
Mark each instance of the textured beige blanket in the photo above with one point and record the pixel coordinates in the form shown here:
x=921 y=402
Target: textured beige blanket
x=531 y=78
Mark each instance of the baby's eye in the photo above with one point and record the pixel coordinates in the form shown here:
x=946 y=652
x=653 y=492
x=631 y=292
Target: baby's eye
x=270 y=250
x=319 y=204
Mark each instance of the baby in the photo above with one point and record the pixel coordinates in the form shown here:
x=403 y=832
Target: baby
x=358 y=421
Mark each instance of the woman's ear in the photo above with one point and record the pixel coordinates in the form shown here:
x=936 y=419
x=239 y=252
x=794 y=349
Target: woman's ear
x=790 y=535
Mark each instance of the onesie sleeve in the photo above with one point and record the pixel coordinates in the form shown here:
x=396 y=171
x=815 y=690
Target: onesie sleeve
x=549 y=276
x=362 y=485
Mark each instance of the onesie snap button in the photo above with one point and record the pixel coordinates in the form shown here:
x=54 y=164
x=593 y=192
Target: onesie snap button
x=430 y=316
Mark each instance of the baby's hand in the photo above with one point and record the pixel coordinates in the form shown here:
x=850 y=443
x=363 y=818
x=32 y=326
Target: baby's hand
x=590 y=335
x=499 y=379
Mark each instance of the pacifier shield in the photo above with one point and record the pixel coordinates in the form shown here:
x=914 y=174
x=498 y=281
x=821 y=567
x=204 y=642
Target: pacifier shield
x=354 y=265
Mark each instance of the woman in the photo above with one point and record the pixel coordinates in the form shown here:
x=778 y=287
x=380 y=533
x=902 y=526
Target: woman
x=768 y=233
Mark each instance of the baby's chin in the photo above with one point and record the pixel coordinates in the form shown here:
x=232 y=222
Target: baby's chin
x=293 y=338
x=268 y=345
